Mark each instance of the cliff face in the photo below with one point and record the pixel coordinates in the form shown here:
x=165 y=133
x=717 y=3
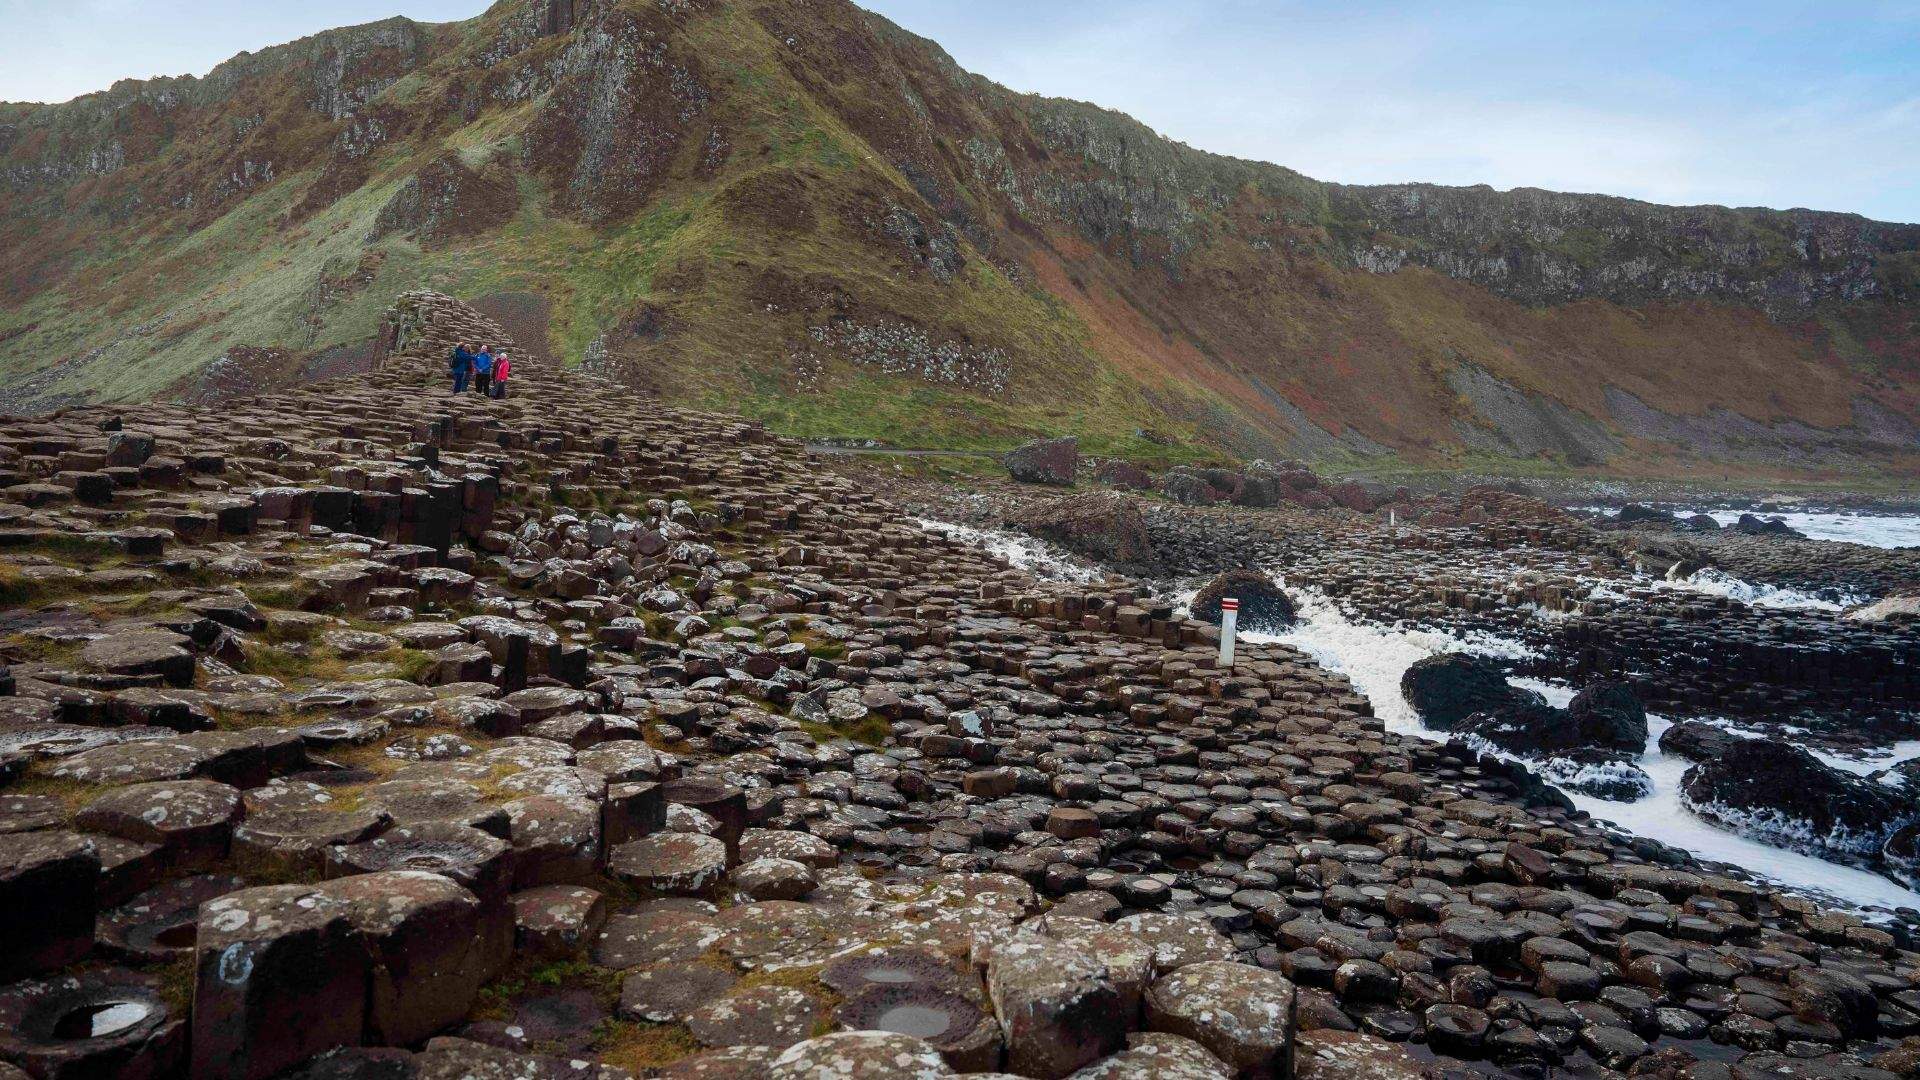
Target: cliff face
x=806 y=212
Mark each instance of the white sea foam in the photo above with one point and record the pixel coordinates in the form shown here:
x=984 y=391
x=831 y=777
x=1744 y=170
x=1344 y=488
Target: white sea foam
x=1872 y=530
x=1374 y=658
x=1715 y=582
x=1033 y=555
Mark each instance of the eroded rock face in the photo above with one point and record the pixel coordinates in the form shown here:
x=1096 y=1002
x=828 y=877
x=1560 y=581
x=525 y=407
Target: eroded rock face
x=1263 y=606
x=1785 y=796
x=1045 y=461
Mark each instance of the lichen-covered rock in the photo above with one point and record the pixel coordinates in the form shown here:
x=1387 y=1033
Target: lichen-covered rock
x=1059 y=1008
x=1241 y=1013
x=670 y=864
x=1158 y=1055
x=848 y=1054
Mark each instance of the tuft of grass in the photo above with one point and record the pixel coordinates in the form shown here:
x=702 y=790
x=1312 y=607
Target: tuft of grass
x=643 y=1048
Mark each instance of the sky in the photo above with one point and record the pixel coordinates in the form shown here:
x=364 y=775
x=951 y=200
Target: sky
x=1758 y=103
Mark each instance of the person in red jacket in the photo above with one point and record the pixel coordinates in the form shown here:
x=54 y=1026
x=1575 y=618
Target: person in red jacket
x=501 y=365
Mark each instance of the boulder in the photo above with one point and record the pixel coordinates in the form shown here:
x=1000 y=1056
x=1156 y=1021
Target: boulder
x=1263 y=605
x=1123 y=474
x=1447 y=688
x=1045 y=461
x=1107 y=527
x=1696 y=740
x=1189 y=487
x=1782 y=795
x=1609 y=714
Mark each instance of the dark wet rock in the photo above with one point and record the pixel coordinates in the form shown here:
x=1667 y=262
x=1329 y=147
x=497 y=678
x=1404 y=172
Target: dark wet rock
x=1609 y=714
x=48 y=890
x=1045 y=461
x=1447 y=688
x=1697 y=740
x=1263 y=606
x=1782 y=795
x=1604 y=774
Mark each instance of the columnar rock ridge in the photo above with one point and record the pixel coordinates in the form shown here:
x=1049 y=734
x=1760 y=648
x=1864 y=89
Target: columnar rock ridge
x=361 y=729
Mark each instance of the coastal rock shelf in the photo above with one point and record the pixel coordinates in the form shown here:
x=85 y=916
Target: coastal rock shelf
x=364 y=730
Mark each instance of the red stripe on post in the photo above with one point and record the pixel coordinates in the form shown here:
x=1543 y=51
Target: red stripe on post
x=1230 y=604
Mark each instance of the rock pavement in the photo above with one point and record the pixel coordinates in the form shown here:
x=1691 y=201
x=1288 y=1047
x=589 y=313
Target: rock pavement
x=368 y=731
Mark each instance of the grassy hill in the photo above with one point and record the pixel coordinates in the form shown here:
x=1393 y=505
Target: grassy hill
x=801 y=212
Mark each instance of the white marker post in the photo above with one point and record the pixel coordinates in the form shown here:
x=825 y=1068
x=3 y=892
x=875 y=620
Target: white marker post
x=1229 y=622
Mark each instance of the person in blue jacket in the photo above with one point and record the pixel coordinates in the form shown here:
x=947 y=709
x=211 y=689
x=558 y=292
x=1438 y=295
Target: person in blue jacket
x=483 y=370
x=460 y=366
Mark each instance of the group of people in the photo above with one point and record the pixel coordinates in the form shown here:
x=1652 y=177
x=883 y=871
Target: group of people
x=485 y=371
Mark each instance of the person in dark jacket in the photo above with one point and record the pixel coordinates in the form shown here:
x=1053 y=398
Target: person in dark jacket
x=483 y=370
x=460 y=366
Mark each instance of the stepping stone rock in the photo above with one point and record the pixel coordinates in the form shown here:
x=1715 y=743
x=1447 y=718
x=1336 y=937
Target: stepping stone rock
x=846 y=1054
x=776 y=1016
x=670 y=864
x=159 y=925
x=557 y=922
x=774 y=879
x=432 y=948
x=1241 y=1013
x=1157 y=1055
x=191 y=819
x=157 y=653
x=965 y=1036
x=1177 y=940
x=669 y=993
x=1325 y=1054
x=475 y=860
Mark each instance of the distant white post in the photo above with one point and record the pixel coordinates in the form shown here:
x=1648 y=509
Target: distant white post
x=1229 y=622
